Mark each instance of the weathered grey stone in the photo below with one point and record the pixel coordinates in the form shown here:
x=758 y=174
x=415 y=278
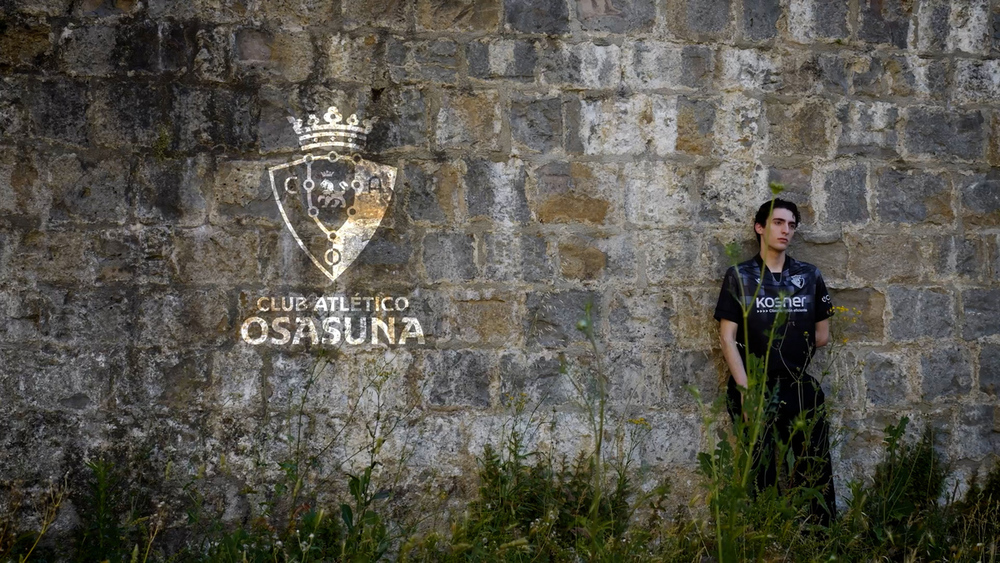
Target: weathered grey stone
x=137 y=47
x=970 y=23
x=670 y=256
x=653 y=64
x=885 y=379
x=88 y=191
x=710 y=17
x=968 y=257
x=976 y=429
x=585 y=65
x=210 y=118
x=502 y=59
x=885 y=22
x=405 y=121
x=989 y=369
x=193 y=319
x=58 y=111
x=516 y=258
x=868 y=129
x=697 y=66
x=545 y=16
x=981 y=308
x=800 y=129
x=912 y=196
x=354 y=58
x=209 y=255
x=449 y=256
x=267 y=55
x=620 y=17
x=797 y=184
x=411 y=61
x=976 y=81
x=551 y=319
x=628 y=126
x=458 y=378
x=921 y=313
x=640 y=317
x=656 y=194
x=946 y=373
x=687 y=369
x=26 y=43
x=980 y=197
x=749 y=69
x=429 y=195
x=540 y=377
x=935 y=132
x=458 y=15
x=831 y=19
x=87 y=50
x=862 y=316
x=496 y=190
x=212 y=53
x=932 y=25
x=536 y=123
x=695 y=125
x=391 y=14
x=13 y=117
x=847 y=195
x=128 y=115
x=469 y=120
x=760 y=18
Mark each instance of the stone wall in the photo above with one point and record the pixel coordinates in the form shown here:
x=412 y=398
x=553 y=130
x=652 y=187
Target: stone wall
x=550 y=154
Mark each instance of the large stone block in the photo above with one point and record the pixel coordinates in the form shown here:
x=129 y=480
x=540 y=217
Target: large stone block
x=885 y=379
x=466 y=121
x=728 y=192
x=208 y=255
x=656 y=194
x=808 y=73
x=285 y=55
x=817 y=19
x=58 y=111
x=739 y=131
x=513 y=59
x=353 y=58
x=921 y=313
x=637 y=316
x=847 y=195
x=967 y=257
x=13 y=115
x=580 y=260
x=800 y=129
x=885 y=22
x=59 y=257
x=496 y=190
x=976 y=82
x=671 y=256
x=931 y=132
x=540 y=377
x=698 y=19
x=693 y=370
x=86 y=50
x=23 y=200
x=749 y=69
x=621 y=17
x=536 y=123
x=214 y=117
x=946 y=372
x=128 y=115
x=431 y=191
x=989 y=369
x=213 y=51
x=980 y=197
x=391 y=14
x=867 y=129
x=458 y=378
x=696 y=329
x=550 y=17
x=932 y=25
x=859 y=315
x=449 y=257
x=576 y=192
x=488 y=319
x=876 y=257
x=583 y=65
x=26 y=43
x=636 y=125
x=184 y=320
x=459 y=15
x=695 y=125
x=970 y=27
x=60 y=380
x=981 y=309
x=136 y=47
x=652 y=64
x=240 y=191
x=760 y=18
x=405 y=120
x=88 y=191
x=913 y=196
x=509 y=257
x=551 y=318
x=414 y=61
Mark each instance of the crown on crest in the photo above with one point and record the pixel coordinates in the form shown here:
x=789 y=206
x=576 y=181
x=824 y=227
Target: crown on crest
x=332 y=131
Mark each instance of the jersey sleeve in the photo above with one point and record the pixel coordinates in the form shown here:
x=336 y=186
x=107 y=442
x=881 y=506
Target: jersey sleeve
x=824 y=304
x=728 y=306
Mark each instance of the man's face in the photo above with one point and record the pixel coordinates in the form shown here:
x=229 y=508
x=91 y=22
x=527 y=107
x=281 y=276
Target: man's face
x=778 y=232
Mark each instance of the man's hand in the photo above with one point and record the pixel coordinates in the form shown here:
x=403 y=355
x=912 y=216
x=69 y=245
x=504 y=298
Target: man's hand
x=727 y=336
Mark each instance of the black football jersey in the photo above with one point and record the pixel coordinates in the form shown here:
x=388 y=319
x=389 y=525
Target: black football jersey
x=790 y=304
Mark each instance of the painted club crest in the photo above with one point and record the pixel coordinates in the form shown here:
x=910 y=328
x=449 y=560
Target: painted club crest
x=332 y=202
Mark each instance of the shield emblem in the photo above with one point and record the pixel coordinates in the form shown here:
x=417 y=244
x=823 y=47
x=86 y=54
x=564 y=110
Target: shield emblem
x=332 y=204
x=798 y=281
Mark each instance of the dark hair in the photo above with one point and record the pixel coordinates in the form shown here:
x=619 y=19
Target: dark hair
x=765 y=211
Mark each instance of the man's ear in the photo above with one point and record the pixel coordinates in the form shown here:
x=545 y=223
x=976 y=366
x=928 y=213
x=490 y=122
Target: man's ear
x=758 y=228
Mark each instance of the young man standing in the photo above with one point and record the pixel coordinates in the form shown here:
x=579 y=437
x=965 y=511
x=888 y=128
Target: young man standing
x=788 y=315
